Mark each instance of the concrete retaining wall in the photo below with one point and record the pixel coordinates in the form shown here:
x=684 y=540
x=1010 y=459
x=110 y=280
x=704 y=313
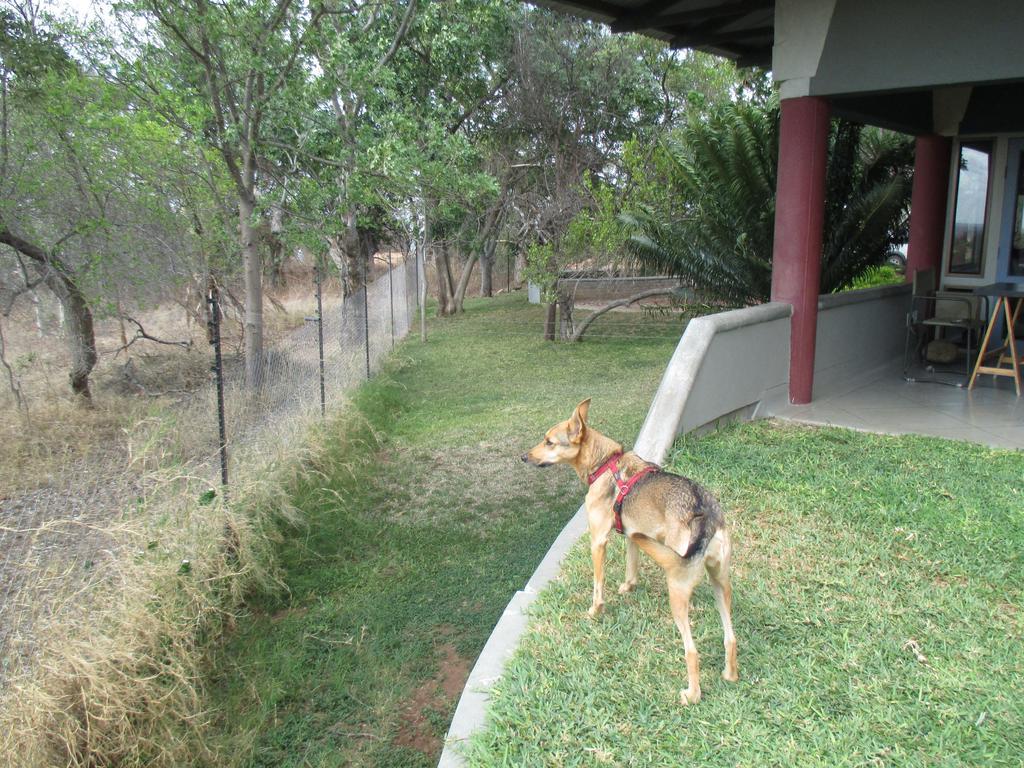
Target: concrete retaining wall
x=858 y=332
x=724 y=364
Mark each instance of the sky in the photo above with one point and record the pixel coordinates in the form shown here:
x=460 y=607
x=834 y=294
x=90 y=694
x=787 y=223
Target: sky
x=85 y=9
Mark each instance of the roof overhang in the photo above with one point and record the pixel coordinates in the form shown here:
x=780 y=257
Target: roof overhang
x=742 y=30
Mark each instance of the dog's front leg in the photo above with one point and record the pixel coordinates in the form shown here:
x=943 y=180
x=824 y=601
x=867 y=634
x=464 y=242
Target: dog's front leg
x=632 y=567
x=597 y=551
x=600 y=527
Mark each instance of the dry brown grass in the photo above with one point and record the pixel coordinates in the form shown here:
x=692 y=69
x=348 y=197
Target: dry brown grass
x=116 y=677
x=129 y=387
x=105 y=663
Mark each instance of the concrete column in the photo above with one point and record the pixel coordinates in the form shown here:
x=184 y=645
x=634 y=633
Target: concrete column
x=799 y=221
x=928 y=203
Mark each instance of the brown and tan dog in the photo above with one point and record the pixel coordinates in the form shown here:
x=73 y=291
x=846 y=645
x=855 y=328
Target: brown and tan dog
x=671 y=518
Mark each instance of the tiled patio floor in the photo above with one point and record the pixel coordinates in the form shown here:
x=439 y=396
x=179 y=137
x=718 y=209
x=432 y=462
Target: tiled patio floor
x=991 y=413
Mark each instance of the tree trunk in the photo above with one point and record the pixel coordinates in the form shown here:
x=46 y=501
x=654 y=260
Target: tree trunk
x=355 y=248
x=352 y=273
x=37 y=309
x=460 y=292
x=12 y=380
x=517 y=271
x=82 y=338
x=489 y=238
x=337 y=256
x=449 y=281
x=487 y=269
x=120 y=323
x=253 y=328
x=565 y=305
x=445 y=298
x=549 y=323
x=368 y=245
x=80 y=332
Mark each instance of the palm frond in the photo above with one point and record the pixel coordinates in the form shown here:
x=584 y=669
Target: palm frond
x=726 y=171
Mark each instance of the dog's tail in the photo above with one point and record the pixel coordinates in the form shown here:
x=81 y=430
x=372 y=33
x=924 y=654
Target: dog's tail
x=698 y=541
x=704 y=523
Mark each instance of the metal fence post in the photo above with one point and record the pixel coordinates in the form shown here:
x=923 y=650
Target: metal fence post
x=391 y=296
x=213 y=328
x=366 y=316
x=405 y=291
x=318 y=276
x=416 y=250
x=421 y=292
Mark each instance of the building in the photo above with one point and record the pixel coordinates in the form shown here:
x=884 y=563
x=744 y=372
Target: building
x=950 y=73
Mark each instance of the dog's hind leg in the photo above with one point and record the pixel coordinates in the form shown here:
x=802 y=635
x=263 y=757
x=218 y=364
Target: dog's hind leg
x=681 y=582
x=632 y=567
x=717 y=564
x=682 y=578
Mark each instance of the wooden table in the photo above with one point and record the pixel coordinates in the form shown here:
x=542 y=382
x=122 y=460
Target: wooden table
x=1006 y=294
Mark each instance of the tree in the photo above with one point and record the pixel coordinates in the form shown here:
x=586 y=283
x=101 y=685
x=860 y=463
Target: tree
x=725 y=174
x=355 y=56
x=72 y=197
x=221 y=72
x=31 y=62
x=389 y=145
x=455 y=68
x=587 y=131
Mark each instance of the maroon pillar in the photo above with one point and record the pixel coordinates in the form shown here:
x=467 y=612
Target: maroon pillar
x=799 y=219
x=928 y=203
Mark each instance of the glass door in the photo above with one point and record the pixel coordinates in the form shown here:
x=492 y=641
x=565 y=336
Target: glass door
x=1011 y=241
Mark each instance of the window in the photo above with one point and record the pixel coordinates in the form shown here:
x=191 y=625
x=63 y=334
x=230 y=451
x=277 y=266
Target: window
x=1017 y=224
x=966 y=249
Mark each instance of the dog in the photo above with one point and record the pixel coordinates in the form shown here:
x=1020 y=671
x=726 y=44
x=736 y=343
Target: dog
x=672 y=518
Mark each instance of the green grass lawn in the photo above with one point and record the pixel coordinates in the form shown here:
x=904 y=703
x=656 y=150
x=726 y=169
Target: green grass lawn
x=422 y=523
x=877 y=603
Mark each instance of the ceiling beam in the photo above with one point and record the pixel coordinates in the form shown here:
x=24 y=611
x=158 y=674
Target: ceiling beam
x=694 y=39
x=746 y=58
x=610 y=10
x=654 y=6
x=641 y=18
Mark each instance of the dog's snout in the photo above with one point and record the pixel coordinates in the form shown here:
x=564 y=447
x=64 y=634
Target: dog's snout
x=526 y=458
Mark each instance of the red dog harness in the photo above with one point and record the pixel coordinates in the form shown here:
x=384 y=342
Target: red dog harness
x=624 y=486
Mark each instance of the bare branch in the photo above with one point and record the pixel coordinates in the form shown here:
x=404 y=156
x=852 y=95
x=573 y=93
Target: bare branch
x=275 y=21
x=9 y=295
x=473 y=108
x=12 y=380
x=287 y=68
x=163 y=18
x=307 y=155
x=403 y=29
x=578 y=334
x=140 y=333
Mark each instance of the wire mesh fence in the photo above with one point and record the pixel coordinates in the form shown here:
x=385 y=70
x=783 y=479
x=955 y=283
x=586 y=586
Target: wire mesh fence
x=64 y=541
x=60 y=543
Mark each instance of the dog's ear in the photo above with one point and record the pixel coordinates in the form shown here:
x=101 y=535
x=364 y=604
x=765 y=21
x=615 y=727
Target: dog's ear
x=582 y=410
x=578 y=421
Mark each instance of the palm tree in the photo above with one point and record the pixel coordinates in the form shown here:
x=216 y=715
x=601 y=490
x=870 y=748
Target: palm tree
x=725 y=172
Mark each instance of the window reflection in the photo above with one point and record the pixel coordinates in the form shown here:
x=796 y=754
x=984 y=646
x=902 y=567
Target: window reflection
x=971 y=202
x=1017 y=234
